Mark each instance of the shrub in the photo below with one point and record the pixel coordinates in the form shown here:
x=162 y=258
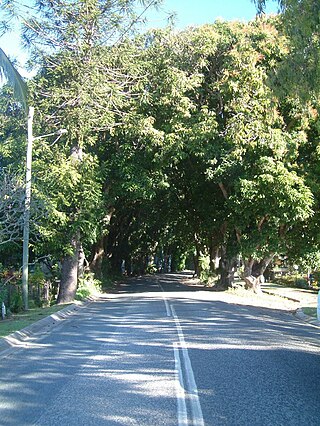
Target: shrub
x=88 y=286
x=16 y=302
x=293 y=281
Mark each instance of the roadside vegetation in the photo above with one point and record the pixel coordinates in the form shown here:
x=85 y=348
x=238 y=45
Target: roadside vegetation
x=195 y=148
x=23 y=319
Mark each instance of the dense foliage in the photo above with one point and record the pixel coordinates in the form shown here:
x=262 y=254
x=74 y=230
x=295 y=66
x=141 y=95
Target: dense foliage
x=181 y=147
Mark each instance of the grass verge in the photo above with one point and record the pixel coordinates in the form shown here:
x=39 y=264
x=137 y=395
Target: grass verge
x=312 y=312
x=23 y=319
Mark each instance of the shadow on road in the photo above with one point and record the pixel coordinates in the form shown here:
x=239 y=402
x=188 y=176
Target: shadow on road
x=170 y=281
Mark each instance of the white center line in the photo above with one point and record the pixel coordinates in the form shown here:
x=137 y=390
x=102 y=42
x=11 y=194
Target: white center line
x=181 y=396
x=186 y=387
x=191 y=389
x=165 y=302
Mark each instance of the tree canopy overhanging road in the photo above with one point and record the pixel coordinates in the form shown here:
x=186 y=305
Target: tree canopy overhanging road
x=197 y=147
x=197 y=144
x=159 y=353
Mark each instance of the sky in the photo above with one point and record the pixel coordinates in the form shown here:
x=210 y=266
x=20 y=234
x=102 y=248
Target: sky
x=197 y=12
x=187 y=13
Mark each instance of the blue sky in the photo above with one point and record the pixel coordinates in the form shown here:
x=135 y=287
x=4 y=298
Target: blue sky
x=188 y=13
x=197 y=12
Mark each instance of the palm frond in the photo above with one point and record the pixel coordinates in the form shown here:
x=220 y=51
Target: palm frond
x=9 y=73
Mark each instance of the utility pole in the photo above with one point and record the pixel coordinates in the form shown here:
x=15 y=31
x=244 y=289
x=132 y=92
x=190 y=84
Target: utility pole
x=26 y=224
x=27 y=202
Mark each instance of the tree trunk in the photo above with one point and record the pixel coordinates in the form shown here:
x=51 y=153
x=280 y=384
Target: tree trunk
x=214 y=259
x=251 y=282
x=69 y=275
x=259 y=268
x=227 y=269
x=82 y=262
x=196 y=258
x=99 y=253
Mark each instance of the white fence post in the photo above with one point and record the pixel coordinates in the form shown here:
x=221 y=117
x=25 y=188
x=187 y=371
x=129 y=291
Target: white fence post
x=3 y=311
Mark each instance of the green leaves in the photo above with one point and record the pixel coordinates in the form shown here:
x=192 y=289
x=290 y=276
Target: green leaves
x=9 y=73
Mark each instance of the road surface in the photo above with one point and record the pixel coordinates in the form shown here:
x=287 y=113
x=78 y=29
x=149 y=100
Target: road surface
x=157 y=353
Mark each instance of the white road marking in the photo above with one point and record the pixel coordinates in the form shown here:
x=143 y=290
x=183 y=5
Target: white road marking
x=191 y=389
x=181 y=396
x=185 y=392
x=165 y=302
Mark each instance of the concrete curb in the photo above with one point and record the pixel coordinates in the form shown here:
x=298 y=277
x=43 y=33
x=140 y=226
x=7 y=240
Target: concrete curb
x=280 y=295
x=18 y=339
x=306 y=318
x=299 y=312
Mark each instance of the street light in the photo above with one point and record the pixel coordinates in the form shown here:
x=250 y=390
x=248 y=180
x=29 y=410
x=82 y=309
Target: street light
x=26 y=223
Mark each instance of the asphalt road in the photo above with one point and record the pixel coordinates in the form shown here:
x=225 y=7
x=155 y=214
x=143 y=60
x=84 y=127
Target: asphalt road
x=158 y=353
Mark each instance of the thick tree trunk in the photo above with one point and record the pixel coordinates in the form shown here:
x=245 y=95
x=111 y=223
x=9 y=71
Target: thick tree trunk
x=227 y=269
x=196 y=266
x=98 y=255
x=259 y=268
x=214 y=259
x=99 y=251
x=82 y=262
x=69 y=275
x=196 y=258
x=251 y=282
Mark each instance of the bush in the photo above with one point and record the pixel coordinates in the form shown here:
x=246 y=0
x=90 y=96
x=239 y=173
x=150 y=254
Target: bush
x=207 y=277
x=88 y=286
x=3 y=294
x=151 y=269
x=293 y=281
x=16 y=302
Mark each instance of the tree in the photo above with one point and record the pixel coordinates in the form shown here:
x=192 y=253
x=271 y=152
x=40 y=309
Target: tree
x=300 y=73
x=9 y=73
x=225 y=140
x=81 y=86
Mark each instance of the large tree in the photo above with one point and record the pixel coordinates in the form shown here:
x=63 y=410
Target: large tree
x=300 y=73
x=229 y=153
x=82 y=86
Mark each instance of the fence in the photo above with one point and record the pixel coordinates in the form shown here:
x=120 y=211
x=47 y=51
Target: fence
x=11 y=294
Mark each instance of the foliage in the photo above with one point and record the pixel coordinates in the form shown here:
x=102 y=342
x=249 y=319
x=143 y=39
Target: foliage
x=300 y=73
x=223 y=151
x=178 y=142
x=23 y=319
x=88 y=286
x=10 y=74
x=293 y=281
x=12 y=207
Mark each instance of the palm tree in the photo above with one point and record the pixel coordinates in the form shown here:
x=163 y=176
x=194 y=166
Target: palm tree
x=9 y=73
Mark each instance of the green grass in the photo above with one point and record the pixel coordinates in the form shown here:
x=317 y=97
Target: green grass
x=310 y=311
x=18 y=321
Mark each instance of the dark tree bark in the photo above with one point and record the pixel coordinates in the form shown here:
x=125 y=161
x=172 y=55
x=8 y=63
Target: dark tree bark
x=99 y=248
x=260 y=267
x=196 y=260
x=98 y=256
x=227 y=268
x=69 y=274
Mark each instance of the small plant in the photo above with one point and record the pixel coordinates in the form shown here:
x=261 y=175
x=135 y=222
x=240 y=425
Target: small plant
x=37 y=282
x=151 y=269
x=16 y=302
x=293 y=281
x=88 y=286
x=3 y=294
x=207 y=277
